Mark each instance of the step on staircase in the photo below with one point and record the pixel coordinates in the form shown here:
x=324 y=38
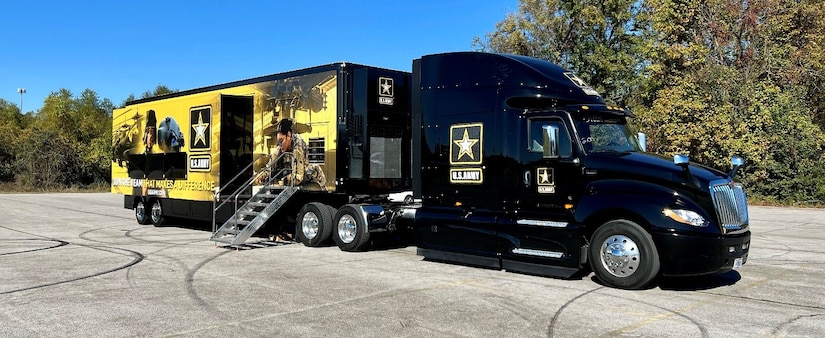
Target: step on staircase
x=252 y=215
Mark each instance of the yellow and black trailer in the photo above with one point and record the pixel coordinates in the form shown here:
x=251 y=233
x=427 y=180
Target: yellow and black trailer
x=175 y=155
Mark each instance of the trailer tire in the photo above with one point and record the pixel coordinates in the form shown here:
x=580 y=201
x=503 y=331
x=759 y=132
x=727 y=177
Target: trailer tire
x=622 y=255
x=350 y=233
x=141 y=214
x=157 y=213
x=314 y=224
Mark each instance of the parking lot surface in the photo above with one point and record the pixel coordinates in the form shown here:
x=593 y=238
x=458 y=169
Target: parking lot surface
x=78 y=265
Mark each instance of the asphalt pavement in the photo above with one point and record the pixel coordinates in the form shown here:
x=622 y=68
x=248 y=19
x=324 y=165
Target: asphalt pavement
x=78 y=265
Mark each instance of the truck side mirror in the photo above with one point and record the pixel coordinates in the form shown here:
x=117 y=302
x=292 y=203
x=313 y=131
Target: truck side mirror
x=684 y=162
x=550 y=145
x=642 y=138
x=736 y=163
x=681 y=160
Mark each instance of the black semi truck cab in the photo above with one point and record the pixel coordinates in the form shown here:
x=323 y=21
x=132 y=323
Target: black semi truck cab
x=524 y=167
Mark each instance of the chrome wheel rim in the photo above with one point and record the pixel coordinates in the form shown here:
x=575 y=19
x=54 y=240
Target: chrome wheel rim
x=347 y=229
x=620 y=256
x=309 y=225
x=140 y=212
x=156 y=211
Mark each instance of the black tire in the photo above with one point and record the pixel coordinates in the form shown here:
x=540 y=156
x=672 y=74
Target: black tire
x=622 y=255
x=156 y=213
x=331 y=210
x=350 y=230
x=141 y=212
x=313 y=226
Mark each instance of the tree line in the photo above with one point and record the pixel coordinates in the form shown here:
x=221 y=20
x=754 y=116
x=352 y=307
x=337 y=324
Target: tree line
x=709 y=79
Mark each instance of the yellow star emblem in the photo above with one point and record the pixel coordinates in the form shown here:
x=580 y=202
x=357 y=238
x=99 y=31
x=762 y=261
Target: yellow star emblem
x=386 y=89
x=544 y=176
x=200 y=131
x=465 y=146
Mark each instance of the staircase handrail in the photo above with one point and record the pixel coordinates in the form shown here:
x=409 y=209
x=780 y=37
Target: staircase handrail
x=236 y=194
x=238 y=175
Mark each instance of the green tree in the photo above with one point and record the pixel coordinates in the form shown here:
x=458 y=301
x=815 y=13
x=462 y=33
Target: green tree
x=47 y=160
x=65 y=125
x=10 y=114
x=796 y=33
x=10 y=126
x=57 y=114
x=718 y=83
x=95 y=117
x=158 y=91
x=128 y=99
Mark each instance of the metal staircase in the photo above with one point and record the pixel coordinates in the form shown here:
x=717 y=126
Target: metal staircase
x=254 y=213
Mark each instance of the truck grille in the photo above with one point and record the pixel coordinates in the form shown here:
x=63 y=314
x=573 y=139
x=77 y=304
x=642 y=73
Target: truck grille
x=731 y=205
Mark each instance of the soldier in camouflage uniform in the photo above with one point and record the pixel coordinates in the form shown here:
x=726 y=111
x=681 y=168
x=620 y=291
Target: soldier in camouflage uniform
x=303 y=173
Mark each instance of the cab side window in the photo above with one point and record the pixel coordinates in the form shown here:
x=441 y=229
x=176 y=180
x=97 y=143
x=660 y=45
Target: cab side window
x=535 y=136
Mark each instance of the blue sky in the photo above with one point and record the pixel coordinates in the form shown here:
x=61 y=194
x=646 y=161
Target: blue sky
x=117 y=48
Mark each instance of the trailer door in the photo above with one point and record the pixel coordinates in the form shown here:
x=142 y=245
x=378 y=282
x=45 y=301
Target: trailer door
x=235 y=138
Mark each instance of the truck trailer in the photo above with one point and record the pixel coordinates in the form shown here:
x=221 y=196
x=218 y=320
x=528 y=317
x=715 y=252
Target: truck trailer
x=511 y=163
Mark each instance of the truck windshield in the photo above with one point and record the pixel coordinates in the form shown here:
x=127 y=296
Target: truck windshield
x=606 y=134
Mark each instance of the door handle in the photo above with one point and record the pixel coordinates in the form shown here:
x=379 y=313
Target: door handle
x=527 y=178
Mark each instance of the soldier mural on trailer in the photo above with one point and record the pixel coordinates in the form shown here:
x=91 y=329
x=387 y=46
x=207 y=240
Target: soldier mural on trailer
x=150 y=132
x=167 y=136
x=170 y=137
x=123 y=138
x=309 y=176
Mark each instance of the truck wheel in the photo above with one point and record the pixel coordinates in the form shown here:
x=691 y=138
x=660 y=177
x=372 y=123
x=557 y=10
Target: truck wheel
x=314 y=224
x=157 y=213
x=623 y=255
x=351 y=233
x=141 y=214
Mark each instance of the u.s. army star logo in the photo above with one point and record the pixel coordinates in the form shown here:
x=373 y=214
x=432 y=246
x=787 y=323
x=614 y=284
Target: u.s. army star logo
x=385 y=86
x=386 y=91
x=546 y=181
x=545 y=176
x=199 y=119
x=466 y=147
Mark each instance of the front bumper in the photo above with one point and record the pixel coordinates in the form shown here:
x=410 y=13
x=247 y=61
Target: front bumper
x=692 y=255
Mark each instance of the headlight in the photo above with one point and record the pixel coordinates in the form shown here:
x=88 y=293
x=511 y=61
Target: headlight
x=686 y=216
